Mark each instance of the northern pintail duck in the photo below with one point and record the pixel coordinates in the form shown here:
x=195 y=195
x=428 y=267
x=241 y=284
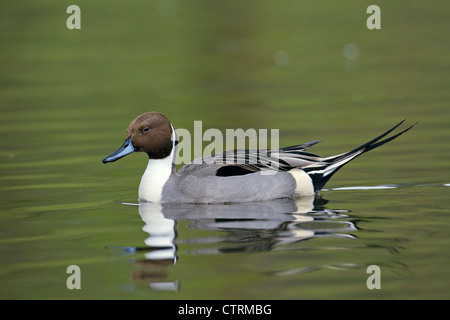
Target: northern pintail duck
x=245 y=178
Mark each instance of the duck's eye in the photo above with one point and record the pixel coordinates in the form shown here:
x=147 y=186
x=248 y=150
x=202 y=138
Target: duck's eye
x=146 y=129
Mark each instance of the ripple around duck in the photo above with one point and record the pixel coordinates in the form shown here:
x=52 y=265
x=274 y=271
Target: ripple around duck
x=278 y=232
x=259 y=226
x=390 y=186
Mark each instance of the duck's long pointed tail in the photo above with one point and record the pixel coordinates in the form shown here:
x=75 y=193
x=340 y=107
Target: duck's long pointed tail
x=321 y=172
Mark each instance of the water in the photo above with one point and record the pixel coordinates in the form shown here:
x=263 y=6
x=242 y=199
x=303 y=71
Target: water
x=66 y=98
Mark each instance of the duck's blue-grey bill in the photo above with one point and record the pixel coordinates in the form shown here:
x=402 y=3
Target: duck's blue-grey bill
x=126 y=148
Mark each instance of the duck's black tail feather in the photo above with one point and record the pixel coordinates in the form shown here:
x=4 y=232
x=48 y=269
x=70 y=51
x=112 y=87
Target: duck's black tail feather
x=321 y=172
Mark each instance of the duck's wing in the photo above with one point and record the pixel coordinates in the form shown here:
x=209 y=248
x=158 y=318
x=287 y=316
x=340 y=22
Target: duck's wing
x=240 y=162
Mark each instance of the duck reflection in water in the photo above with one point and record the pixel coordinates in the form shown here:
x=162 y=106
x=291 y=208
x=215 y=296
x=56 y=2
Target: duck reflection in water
x=246 y=227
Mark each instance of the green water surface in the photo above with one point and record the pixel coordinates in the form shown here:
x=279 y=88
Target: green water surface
x=311 y=69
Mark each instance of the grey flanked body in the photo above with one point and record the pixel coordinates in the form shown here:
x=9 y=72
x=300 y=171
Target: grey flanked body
x=231 y=175
x=198 y=183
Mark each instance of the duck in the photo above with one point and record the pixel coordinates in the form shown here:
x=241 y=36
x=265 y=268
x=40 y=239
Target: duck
x=230 y=176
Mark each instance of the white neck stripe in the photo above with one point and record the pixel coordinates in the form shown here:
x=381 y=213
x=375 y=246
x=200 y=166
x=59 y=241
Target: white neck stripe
x=156 y=174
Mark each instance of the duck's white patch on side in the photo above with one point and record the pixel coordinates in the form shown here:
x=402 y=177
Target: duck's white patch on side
x=305 y=187
x=156 y=175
